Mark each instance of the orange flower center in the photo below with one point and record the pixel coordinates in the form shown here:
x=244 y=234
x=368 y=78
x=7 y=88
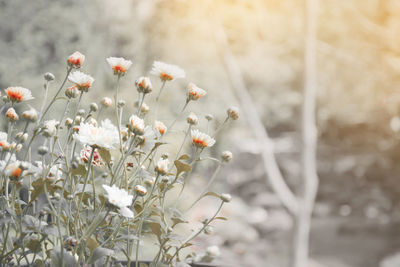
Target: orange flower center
x=119 y=68
x=16 y=173
x=166 y=77
x=75 y=61
x=200 y=142
x=15 y=96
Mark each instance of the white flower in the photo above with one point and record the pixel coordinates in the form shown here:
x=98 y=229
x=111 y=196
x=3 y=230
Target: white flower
x=105 y=136
x=140 y=190
x=49 y=128
x=54 y=172
x=162 y=166
x=227 y=156
x=13 y=169
x=195 y=92
x=76 y=60
x=82 y=81
x=136 y=124
x=233 y=113
x=85 y=156
x=202 y=140
x=119 y=198
x=30 y=115
x=143 y=85
x=147 y=139
x=160 y=127
x=119 y=65
x=167 y=72
x=192 y=119
x=3 y=141
x=18 y=94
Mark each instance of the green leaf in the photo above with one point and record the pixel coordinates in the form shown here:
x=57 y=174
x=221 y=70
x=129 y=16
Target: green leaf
x=34 y=245
x=221 y=218
x=213 y=194
x=92 y=244
x=80 y=170
x=100 y=252
x=38 y=187
x=184 y=157
x=105 y=154
x=181 y=167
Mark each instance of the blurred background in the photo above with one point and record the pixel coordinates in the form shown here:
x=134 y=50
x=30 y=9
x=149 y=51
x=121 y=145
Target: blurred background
x=357 y=213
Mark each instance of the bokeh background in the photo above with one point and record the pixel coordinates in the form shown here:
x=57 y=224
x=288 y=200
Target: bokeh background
x=357 y=214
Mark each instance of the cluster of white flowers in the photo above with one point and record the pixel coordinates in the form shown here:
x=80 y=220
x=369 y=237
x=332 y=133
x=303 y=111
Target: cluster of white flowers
x=105 y=136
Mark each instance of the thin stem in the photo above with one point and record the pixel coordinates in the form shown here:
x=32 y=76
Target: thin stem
x=86 y=179
x=158 y=99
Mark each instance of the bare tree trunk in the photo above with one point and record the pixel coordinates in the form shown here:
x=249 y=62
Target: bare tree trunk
x=309 y=137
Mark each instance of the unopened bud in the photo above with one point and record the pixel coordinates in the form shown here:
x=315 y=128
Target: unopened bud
x=72 y=92
x=78 y=120
x=49 y=76
x=94 y=107
x=19 y=147
x=208 y=230
x=143 y=85
x=149 y=181
x=233 y=113
x=12 y=115
x=121 y=103
x=106 y=102
x=68 y=122
x=13 y=146
x=42 y=150
x=141 y=190
x=30 y=115
x=226 y=197
x=81 y=112
x=209 y=117
x=226 y=156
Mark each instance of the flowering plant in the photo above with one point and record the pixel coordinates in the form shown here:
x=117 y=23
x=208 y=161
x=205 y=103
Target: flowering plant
x=75 y=191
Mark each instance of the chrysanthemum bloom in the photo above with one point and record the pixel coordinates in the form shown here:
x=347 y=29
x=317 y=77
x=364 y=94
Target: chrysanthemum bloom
x=121 y=199
x=49 y=128
x=18 y=94
x=144 y=109
x=201 y=140
x=143 y=85
x=213 y=251
x=233 y=113
x=82 y=81
x=195 y=92
x=167 y=72
x=119 y=65
x=227 y=156
x=141 y=190
x=136 y=124
x=85 y=156
x=30 y=115
x=162 y=166
x=72 y=92
x=192 y=119
x=12 y=115
x=160 y=127
x=76 y=60
x=106 y=102
x=105 y=136
x=13 y=170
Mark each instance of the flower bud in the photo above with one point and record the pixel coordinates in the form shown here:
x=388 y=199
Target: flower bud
x=72 y=92
x=195 y=92
x=42 y=150
x=106 y=102
x=76 y=60
x=144 y=109
x=30 y=115
x=213 y=251
x=13 y=146
x=121 y=103
x=160 y=127
x=24 y=138
x=11 y=115
x=208 y=230
x=140 y=190
x=49 y=76
x=165 y=179
x=149 y=181
x=226 y=198
x=233 y=113
x=164 y=155
x=5 y=99
x=209 y=117
x=18 y=135
x=162 y=166
x=94 y=107
x=226 y=156
x=49 y=128
x=136 y=125
x=81 y=112
x=78 y=120
x=68 y=122
x=143 y=85
x=192 y=119
x=18 y=148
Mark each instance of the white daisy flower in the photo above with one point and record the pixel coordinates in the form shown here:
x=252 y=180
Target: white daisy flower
x=167 y=72
x=13 y=169
x=195 y=92
x=136 y=124
x=119 y=198
x=49 y=128
x=162 y=166
x=119 y=65
x=76 y=60
x=201 y=140
x=3 y=141
x=160 y=127
x=18 y=94
x=105 y=136
x=192 y=119
x=82 y=81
